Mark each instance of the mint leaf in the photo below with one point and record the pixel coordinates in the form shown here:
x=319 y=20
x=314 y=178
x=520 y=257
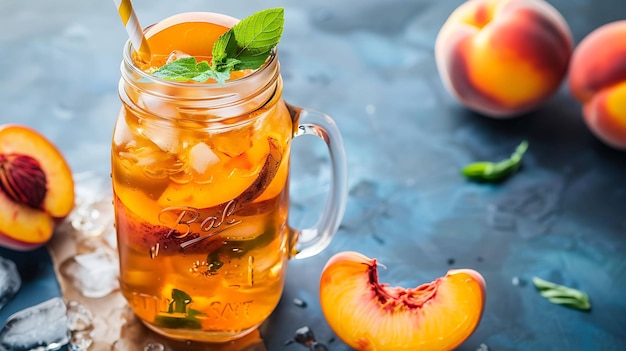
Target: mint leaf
x=496 y=171
x=185 y=69
x=259 y=33
x=180 y=300
x=245 y=46
x=252 y=62
x=562 y=295
x=224 y=47
x=178 y=314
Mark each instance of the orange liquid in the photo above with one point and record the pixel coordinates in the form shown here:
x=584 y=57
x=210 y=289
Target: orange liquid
x=201 y=213
x=195 y=37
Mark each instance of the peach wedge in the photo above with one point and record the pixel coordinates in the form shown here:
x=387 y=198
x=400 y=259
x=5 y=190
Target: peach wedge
x=368 y=315
x=36 y=188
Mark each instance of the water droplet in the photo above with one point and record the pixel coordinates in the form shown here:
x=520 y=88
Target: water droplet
x=304 y=336
x=515 y=281
x=299 y=302
x=154 y=346
x=482 y=347
x=451 y=261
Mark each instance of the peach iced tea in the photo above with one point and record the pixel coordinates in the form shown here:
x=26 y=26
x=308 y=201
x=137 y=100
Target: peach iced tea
x=201 y=196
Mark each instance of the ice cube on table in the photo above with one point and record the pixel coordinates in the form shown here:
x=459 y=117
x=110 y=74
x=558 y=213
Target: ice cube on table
x=10 y=281
x=94 y=274
x=41 y=327
x=79 y=317
x=94 y=218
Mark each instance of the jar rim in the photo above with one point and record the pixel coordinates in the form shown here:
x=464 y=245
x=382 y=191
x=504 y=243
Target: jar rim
x=221 y=20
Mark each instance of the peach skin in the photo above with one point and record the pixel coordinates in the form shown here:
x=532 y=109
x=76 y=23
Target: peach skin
x=503 y=58
x=371 y=316
x=597 y=78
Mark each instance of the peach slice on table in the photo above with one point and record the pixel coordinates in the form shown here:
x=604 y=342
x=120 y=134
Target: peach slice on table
x=36 y=188
x=368 y=315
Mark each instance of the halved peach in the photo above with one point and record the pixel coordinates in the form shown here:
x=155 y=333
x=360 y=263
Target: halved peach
x=36 y=187
x=368 y=315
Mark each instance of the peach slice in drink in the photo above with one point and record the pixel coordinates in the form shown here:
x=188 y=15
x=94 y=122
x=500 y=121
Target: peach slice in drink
x=220 y=182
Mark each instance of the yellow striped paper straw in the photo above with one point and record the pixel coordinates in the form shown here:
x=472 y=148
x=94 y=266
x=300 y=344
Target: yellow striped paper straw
x=133 y=28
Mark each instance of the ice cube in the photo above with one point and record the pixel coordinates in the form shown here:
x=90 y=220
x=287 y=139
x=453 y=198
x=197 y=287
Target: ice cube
x=80 y=341
x=122 y=133
x=164 y=134
x=94 y=274
x=201 y=157
x=94 y=218
x=154 y=346
x=234 y=141
x=176 y=55
x=79 y=317
x=41 y=327
x=10 y=281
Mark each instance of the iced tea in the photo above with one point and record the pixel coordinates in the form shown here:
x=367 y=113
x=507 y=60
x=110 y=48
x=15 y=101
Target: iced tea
x=201 y=193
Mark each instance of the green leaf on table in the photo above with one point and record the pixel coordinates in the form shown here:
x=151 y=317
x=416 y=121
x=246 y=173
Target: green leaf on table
x=562 y=295
x=247 y=45
x=485 y=171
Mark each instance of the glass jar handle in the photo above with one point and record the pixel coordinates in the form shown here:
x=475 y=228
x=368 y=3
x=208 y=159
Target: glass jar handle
x=311 y=241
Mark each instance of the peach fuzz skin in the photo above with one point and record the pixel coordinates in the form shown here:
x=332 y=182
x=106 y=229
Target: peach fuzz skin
x=503 y=58
x=597 y=78
x=370 y=316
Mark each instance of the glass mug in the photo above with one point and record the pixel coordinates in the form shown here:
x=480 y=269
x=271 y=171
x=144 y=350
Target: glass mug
x=200 y=176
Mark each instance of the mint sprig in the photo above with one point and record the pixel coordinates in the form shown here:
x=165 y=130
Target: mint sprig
x=496 y=171
x=247 y=45
x=178 y=314
x=562 y=295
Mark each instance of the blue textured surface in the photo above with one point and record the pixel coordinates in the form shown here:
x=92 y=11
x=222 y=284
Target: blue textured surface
x=39 y=282
x=370 y=65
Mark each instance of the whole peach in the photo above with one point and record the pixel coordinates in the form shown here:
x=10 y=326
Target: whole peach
x=597 y=78
x=503 y=58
